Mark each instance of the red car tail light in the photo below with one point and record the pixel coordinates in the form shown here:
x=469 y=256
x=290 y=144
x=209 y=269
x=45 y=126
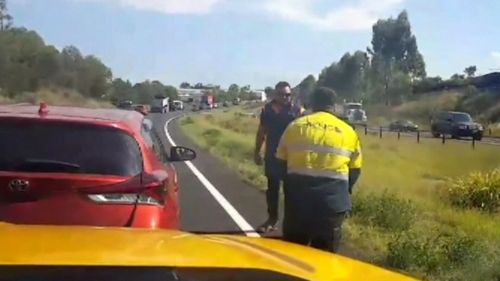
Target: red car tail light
x=132 y=192
x=124 y=198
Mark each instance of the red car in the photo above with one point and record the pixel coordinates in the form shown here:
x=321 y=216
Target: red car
x=76 y=166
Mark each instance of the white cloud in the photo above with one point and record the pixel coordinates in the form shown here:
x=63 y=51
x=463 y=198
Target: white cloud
x=360 y=16
x=496 y=57
x=168 y=6
x=354 y=16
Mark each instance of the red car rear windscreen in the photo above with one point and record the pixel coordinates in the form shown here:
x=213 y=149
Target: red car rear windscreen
x=27 y=146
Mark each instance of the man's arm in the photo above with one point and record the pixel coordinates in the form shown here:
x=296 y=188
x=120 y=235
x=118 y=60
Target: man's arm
x=355 y=166
x=259 y=140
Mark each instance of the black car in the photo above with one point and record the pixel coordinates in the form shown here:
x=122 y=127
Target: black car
x=126 y=104
x=456 y=124
x=403 y=126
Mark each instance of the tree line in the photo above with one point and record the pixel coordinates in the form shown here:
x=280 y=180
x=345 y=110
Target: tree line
x=28 y=64
x=389 y=71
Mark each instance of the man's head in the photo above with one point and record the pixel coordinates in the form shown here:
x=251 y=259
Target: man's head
x=283 y=93
x=323 y=99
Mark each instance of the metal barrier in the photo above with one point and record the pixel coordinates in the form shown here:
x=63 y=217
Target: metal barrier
x=381 y=131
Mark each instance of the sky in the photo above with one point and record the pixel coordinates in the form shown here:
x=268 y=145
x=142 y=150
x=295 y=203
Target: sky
x=257 y=42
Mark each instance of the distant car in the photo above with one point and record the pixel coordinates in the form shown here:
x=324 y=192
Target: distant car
x=77 y=166
x=225 y=104
x=403 y=126
x=126 y=104
x=456 y=124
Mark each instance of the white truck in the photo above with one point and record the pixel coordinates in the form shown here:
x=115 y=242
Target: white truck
x=178 y=105
x=160 y=104
x=352 y=112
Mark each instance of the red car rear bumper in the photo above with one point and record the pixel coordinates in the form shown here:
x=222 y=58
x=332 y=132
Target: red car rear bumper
x=68 y=210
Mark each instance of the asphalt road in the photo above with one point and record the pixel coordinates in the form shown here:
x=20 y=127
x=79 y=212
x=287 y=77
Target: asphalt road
x=213 y=197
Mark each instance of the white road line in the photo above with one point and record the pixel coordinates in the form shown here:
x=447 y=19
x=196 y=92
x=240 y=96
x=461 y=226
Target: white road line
x=230 y=210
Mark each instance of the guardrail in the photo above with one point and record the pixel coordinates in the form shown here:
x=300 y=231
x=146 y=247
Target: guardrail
x=418 y=135
x=422 y=134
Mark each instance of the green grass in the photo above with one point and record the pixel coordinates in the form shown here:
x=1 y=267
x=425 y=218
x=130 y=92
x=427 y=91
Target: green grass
x=495 y=131
x=400 y=195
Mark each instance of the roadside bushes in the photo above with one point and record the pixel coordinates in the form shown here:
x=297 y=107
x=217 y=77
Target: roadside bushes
x=209 y=117
x=386 y=211
x=432 y=251
x=478 y=190
x=422 y=109
x=212 y=136
x=236 y=149
x=187 y=121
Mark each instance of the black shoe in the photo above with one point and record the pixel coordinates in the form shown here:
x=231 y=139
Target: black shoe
x=269 y=226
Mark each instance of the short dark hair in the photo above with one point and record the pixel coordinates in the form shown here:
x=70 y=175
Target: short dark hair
x=281 y=85
x=323 y=98
x=268 y=90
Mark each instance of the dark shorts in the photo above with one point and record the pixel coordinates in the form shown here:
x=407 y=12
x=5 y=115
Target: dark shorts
x=274 y=168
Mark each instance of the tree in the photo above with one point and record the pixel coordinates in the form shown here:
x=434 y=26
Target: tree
x=93 y=77
x=70 y=59
x=171 y=92
x=6 y=19
x=394 y=43
x=245 y=93
x=394 y=51
x=185 y=85
x=305 y=89
x=470 y=71
x=399 y=87
x=457 y=76
x=428 y=84
x=122 y=90
x=233 y=89
x=347 y=77
x=47 y=65
x=18 y=58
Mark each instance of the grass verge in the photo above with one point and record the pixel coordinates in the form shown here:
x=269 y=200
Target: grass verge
x=400 y=219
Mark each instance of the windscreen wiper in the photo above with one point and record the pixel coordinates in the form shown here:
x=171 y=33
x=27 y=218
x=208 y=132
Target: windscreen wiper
x=46 y=166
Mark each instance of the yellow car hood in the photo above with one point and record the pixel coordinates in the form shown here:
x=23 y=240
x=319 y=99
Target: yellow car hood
x=88 y=246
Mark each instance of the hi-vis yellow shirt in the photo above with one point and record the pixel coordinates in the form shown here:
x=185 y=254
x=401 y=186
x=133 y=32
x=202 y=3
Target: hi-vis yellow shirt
x=320 y=145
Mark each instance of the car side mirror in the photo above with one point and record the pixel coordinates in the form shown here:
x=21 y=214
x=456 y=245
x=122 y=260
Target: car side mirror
x=180 y=154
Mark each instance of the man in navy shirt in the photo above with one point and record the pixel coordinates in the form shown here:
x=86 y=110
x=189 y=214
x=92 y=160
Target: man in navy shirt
x=274 y=118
